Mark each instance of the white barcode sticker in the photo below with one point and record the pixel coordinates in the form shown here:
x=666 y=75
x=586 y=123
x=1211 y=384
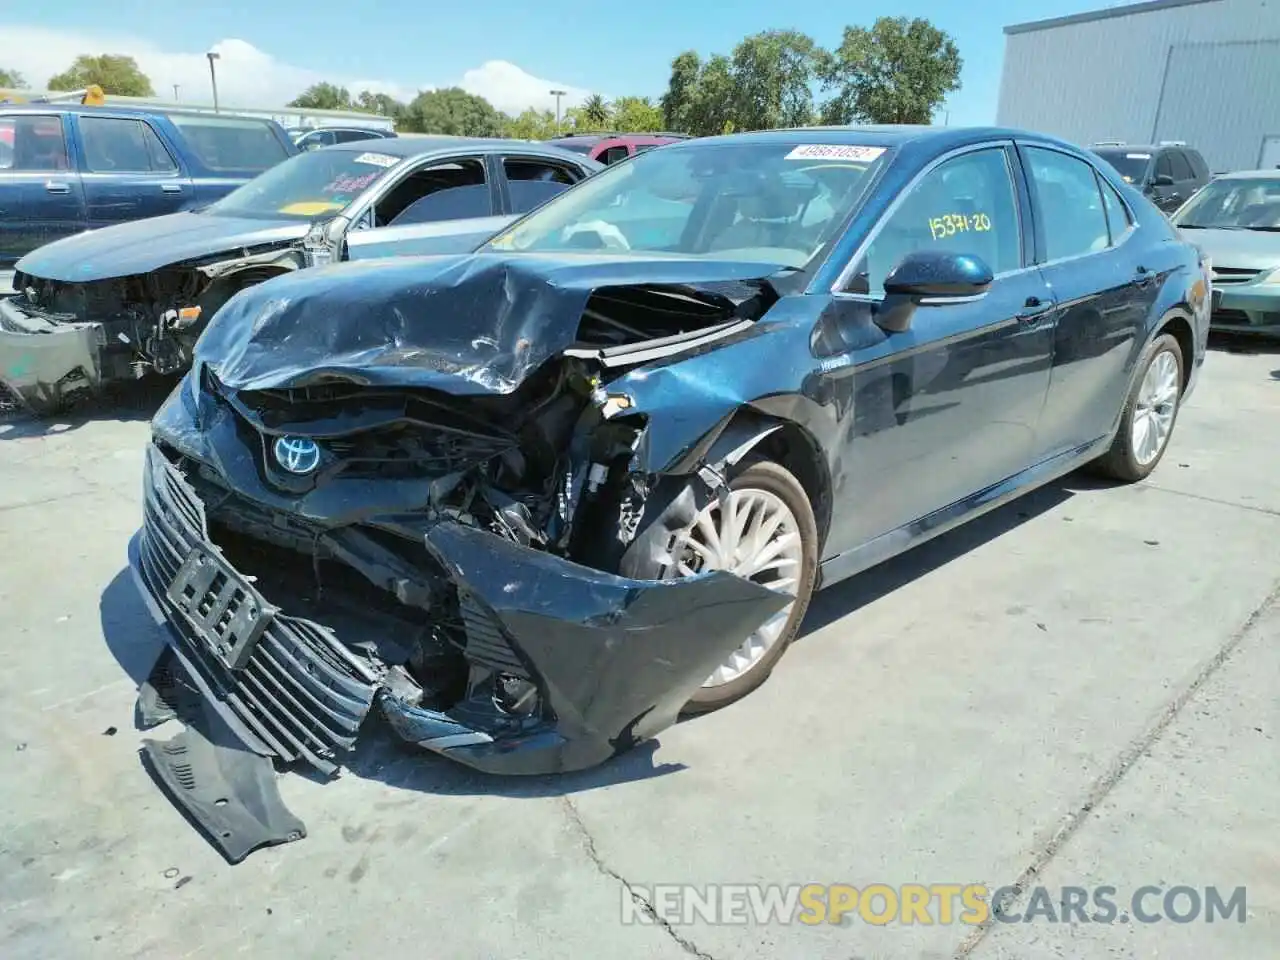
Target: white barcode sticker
x=378 y=159
x=834 y=151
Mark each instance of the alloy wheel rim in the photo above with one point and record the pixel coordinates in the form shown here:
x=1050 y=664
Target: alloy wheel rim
x=751 y=533
x=1157 y=403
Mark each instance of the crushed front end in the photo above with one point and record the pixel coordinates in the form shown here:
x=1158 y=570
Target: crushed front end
x=62 y=340
x=422 y=569
x=402 y=490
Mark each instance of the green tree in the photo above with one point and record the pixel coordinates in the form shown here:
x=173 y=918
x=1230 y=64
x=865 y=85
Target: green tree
x=682 y=90
x=114 y=73
x=773 y=74
x=323 y=96
x=12 y=79
x=898 y=71
x=532 y=125
x=452 y=111
x=714 y=103
x=636 y=115
x=593 y=114
x=379 y=103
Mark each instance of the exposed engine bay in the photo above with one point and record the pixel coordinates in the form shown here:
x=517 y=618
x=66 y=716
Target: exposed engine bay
x=60 y=340
x=472 y=522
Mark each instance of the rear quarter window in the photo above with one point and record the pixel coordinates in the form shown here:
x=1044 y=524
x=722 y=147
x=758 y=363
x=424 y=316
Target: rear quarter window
x=231 y=143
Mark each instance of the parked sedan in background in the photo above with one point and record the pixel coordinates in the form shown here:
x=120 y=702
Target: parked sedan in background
x=328 y=136
x=1167 y=173
x=534 y=501
x=610 y=148
x=65 y=168
x=129 y=300
x=1235 y=220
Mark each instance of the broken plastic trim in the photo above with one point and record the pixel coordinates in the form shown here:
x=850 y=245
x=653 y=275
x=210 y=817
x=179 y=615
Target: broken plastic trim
x=646 y=351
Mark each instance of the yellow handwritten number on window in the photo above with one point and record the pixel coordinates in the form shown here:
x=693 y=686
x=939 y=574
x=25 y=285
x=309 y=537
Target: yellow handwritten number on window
x=950 y=224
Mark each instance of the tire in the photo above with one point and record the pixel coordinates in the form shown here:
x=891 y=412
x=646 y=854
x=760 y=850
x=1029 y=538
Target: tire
x=764 y=485
x=1125 y=461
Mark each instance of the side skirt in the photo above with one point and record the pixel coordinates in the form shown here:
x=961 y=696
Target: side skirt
x=889 y=545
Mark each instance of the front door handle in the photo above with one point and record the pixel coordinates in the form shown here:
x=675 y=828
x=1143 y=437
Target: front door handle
x=54 y=186
x=1033 y=310
x=171 y=187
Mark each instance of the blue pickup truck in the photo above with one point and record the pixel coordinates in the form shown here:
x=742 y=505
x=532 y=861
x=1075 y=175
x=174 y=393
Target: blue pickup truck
x=65 y=168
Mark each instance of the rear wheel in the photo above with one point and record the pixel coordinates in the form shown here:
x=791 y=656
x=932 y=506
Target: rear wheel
x=764 y=531
x=1149 y=415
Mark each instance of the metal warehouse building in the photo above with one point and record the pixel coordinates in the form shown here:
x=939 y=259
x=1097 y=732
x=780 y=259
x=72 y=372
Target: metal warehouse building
x=1206 y=72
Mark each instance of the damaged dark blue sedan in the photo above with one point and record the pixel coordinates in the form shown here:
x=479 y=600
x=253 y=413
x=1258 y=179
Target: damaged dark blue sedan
x=532 y=503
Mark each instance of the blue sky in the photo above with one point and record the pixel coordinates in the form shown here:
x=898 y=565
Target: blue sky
x=614 y=48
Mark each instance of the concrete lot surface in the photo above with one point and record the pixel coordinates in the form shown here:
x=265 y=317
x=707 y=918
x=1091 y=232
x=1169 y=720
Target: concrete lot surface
x=1078 y=690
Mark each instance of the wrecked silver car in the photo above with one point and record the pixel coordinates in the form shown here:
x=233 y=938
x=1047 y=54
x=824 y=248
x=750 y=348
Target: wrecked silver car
x=129 y=300
x=530 y=504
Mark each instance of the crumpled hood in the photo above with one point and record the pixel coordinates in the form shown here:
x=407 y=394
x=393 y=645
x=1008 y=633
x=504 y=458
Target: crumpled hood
x=140 y=246
x=1241 y=249
x=469 y=324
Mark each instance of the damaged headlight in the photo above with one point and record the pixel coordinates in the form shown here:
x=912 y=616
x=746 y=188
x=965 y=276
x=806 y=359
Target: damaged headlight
x=315 y=245
x=514 y=695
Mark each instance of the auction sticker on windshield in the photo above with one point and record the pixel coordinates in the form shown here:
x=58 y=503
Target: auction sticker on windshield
x=834 y=151
x=378 y=159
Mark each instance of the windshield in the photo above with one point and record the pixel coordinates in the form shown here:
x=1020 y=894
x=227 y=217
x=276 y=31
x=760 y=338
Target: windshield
x=1243 y=204
x=307 y=186
x=768 y=202
x=1130 y=164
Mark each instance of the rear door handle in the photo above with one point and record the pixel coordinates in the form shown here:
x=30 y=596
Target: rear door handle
x=1033 y=310
x=171 y=187
x=54 y=187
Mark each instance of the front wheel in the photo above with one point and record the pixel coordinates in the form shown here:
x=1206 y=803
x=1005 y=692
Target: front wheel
x=763 y=530
x=1149 y=414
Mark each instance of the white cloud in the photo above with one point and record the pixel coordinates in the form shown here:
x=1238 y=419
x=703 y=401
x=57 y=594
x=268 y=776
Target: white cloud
x=249 y=77
x=512 y=90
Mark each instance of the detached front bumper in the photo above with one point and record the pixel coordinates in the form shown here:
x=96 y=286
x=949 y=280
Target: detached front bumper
x=43 y=362
x=612 y=660
x=1246 y=308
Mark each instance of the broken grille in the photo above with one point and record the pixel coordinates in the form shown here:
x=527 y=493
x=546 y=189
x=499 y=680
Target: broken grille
x=294 y=685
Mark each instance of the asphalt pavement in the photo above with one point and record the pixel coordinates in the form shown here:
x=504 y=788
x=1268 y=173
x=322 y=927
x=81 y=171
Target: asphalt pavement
x=1078 y=690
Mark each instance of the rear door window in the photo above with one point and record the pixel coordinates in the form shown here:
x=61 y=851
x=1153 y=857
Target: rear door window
x=33 y=142
x=1181 y=168
x=121 y=145
x=1071 y=205
x=231 y=143
x=1198 y=166
x=1118 y=219
x=532 y=182
x=613 y=155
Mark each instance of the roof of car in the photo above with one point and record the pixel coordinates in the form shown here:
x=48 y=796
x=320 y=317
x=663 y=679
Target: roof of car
x=1130 y=147
x=112 y=110
x=414 y=145
x=875 y=135
x=1248 y=175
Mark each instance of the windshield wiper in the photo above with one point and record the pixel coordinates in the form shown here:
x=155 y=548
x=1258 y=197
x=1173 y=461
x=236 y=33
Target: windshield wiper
x=1265 y=229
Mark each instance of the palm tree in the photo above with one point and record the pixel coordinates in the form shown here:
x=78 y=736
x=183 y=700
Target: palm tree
x=595 y=113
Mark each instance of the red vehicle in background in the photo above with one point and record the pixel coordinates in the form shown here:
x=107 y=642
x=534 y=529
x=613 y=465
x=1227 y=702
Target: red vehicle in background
x=609 y=148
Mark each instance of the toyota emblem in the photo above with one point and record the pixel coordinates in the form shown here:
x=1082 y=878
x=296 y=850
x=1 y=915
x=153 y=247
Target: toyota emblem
x=297 y=454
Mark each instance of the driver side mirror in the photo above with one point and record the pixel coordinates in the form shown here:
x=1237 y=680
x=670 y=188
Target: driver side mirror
x=929 y=275
x=1162 y=180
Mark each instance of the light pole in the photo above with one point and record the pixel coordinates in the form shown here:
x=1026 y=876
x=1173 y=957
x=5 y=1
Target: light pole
x=213 y=77
x=175 y=91
x=558 y=94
